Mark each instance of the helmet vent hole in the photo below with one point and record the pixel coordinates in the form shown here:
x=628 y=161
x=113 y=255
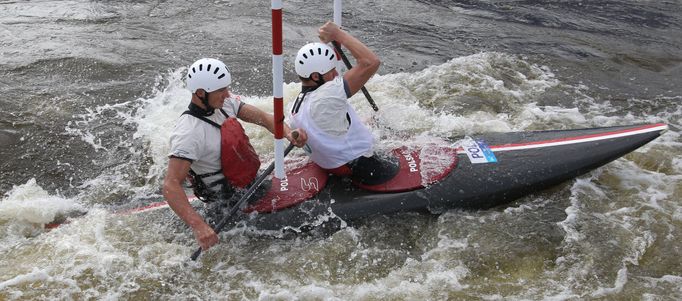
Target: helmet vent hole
x=201 y=66
x=305 y=55
x=319 y=50
x=189 y=75
x=331 y=57
x=216 y=70
x=194 y=70
x=326 y=52
x=221 y=76
x=208 y=68
x=301 y=62
x=311 y=52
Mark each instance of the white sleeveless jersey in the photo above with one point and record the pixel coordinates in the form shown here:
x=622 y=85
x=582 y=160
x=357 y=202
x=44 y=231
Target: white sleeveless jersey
x=327 y=150
x=199 y=141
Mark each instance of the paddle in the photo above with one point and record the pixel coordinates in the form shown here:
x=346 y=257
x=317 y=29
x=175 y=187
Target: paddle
x=349 y=66
x=219 y=227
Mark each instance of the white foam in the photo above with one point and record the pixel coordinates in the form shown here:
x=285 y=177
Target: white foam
x=551 y=115
x=31 y=203
x=407 y=101
x=417 y=280
x=433 y=161
x=674 y=279
x=35 y=275
x=156 y=119
x=655 y=190
x=621 y=280
x=571 y=225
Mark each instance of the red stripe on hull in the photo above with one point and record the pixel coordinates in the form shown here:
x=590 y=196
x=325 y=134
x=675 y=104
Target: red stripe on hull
x=578 y=137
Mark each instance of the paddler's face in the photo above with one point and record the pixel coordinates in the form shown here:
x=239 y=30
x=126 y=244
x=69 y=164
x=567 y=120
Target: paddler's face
x=216 y=99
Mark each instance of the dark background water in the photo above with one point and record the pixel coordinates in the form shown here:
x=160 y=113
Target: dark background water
x=76 y=76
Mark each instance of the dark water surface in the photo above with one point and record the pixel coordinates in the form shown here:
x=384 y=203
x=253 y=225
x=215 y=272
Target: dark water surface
x=91 y=90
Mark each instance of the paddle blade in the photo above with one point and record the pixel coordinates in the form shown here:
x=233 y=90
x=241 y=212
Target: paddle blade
x=196 y=254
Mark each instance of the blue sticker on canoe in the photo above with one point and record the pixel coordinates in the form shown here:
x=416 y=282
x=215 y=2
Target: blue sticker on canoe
x=478 y=151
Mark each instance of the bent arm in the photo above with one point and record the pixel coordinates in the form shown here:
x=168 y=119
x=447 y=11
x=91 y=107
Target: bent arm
x=177 y=200
x=367 y=62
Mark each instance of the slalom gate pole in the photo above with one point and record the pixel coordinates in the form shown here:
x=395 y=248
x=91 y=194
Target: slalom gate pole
x=278 y=108
x=278 y=86
x=338 y=9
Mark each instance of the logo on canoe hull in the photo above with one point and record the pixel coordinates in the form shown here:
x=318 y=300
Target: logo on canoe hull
x=478 y=151
x=411 y=162
x=310 y=184
x=284 y=184
x=306 y=184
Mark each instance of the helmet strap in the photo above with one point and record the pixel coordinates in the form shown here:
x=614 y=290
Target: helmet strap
x=320 y=80
x=204 y=100
x=207 y=110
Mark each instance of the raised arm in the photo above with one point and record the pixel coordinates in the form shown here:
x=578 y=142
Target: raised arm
x=367 y=63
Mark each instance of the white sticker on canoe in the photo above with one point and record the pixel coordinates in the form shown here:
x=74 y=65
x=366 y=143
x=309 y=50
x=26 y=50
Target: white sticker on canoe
x=478 y=151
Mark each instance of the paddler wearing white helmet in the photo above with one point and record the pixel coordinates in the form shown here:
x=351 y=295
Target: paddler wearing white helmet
x=209 y=144
x=337 y=139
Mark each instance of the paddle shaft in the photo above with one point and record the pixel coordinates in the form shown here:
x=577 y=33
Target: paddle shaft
x=219 y=227
x=349 y=66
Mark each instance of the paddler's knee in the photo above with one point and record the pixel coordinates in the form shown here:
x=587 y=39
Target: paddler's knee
x=374 y=170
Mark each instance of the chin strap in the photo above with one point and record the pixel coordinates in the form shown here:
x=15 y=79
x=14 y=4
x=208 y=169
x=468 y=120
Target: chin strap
x=320 y=81
x=204 y=100
x=199 y=110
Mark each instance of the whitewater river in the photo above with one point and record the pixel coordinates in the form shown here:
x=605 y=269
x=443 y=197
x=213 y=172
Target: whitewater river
x=91 y=89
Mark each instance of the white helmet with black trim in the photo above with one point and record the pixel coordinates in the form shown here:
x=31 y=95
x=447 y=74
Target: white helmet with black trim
x=208 y=74
x=315 y=57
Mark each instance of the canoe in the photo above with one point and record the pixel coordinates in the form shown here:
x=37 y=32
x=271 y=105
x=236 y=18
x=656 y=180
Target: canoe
x=477 y=172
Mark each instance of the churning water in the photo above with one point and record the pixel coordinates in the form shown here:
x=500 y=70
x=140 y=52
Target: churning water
x=91 y=91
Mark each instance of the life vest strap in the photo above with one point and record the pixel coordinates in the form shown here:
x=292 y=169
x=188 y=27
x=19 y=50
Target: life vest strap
x=203 y=190
x=238 y=159
x=209 y=174
x=211 y=122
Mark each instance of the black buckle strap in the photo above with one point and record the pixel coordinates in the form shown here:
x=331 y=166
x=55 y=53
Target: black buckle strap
x=209 y=174
x=298 y=102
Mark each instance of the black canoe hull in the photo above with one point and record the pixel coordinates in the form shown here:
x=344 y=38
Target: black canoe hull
x=527 y=162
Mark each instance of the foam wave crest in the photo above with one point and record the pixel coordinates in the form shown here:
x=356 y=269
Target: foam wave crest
x=25 y=210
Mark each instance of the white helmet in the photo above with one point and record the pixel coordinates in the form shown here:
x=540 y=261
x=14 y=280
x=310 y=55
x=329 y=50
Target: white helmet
x=315 y=57
x=208 y=74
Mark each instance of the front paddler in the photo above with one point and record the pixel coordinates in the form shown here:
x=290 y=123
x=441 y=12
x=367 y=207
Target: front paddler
x=338 y=140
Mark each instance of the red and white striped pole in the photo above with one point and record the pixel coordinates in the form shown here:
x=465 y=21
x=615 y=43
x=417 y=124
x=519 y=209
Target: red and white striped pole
x=278 y=86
